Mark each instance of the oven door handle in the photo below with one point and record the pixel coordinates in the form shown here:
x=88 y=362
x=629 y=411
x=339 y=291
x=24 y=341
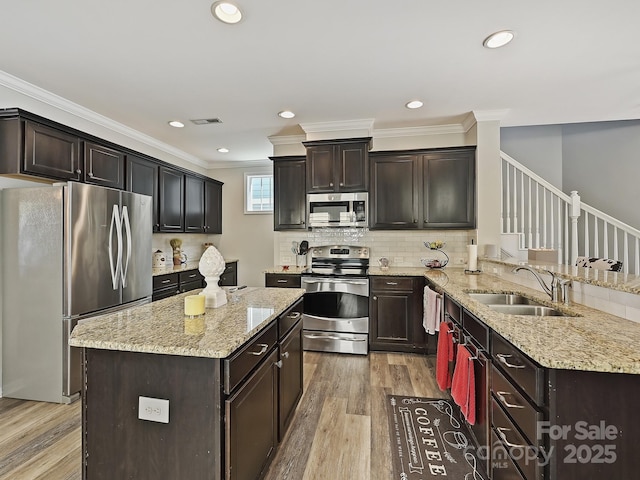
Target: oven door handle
x=333 y=280
x=333 y=337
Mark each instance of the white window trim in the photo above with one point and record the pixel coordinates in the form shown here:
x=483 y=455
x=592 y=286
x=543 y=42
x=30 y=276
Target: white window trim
x=246 y=194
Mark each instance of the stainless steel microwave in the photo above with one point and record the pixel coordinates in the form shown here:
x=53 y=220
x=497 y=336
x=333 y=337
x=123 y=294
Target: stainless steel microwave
x=338 y=209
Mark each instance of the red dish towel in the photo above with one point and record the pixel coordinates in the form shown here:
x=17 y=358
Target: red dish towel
x=463 y=388
x=444 y=355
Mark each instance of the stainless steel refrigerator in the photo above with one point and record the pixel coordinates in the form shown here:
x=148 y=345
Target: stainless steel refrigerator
x=69 y=252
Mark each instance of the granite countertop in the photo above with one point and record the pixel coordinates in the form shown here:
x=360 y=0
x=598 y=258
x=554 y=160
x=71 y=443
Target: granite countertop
x=161 y=327
x=399 y=271
x=592 y=341
x=183 y=267
x=288 y=271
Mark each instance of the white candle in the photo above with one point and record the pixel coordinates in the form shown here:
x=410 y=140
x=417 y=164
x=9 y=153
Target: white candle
x=194 y=305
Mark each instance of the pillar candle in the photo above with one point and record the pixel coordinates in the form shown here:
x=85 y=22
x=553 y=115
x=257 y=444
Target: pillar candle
x=194 y=305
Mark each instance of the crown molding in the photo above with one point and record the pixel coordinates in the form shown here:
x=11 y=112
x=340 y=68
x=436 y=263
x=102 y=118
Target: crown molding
x=417 y=131
x=41 y=95
x=320 y=127
x=286 y=139
x=490 y=115
x=216 y=165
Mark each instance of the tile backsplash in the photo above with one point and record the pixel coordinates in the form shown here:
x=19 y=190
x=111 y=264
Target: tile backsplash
x=403 y=248
x=192 y=244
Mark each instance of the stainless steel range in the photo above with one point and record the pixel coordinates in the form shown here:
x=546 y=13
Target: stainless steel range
x=336 y=303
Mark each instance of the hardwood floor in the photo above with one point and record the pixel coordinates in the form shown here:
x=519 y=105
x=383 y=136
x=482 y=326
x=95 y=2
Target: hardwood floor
x=339 y=430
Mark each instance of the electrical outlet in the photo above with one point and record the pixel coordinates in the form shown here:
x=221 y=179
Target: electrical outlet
x=285 y=260
x=153 y=409
x=461 y=261
x=398 y=260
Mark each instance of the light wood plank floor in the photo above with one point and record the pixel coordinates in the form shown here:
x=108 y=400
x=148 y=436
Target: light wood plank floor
x=339 y=430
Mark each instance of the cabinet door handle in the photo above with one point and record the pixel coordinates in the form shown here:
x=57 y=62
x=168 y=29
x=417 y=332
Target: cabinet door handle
x=278 y=364
x=285 y=355
x=392 y=283
x=78 y=171
x=331 y=184
x=503 y=358
x=193 y=275
x=166 y=281
x=503 y=400
x=294 y=315
x=263 y=349
x=283 y=281
x=90 y=174
x=341 y=184
x=501 y=431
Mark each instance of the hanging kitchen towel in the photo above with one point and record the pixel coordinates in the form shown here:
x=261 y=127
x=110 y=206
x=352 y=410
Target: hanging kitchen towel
x=431 y=311
x=463 y=388
x=444 y=355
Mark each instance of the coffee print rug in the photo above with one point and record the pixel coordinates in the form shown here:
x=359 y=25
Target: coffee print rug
x=428 y=440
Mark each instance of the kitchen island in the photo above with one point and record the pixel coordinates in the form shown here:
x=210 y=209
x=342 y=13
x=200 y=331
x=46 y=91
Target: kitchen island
x=166 y=396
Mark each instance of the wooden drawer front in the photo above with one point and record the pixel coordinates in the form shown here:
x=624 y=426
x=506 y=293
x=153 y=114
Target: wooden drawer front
x=190 y=276
x=478 y=330
x=161 y=293
x=392 y=283
x=519 y=368
x=289 y=318
x=523 y=454
x=453 y=309
x=238 y=366
x=284 y=280
x=164 y=281
x=502 y=467
x=188 y=286
x=230 y=267
x=525 y=415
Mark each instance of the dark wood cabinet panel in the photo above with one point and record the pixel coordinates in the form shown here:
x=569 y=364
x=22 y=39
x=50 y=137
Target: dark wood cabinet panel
x=251 y=433
x=142 y=177
x=289 y=209
x=51 y=153
x=103 y=166
x=171 y=203
x=282 y=280
x=229 y=277
x=290 y=379
x=395 y=314
x=395 y=192
x=338 y=165
x=449 y=189
x=193 y=204
x=212 y=207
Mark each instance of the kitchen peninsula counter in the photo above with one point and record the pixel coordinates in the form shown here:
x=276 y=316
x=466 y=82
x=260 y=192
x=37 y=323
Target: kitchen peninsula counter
x=161 y=327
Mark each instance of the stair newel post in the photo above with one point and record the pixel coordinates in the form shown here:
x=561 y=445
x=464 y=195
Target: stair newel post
x=574 y=215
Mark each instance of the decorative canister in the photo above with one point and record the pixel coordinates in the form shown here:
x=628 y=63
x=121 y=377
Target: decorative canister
x=159 y=259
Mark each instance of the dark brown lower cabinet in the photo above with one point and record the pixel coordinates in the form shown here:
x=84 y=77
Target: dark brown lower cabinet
x=290 y=379
x=251 y=434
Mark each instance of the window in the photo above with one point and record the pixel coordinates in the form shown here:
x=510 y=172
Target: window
x=258 y=196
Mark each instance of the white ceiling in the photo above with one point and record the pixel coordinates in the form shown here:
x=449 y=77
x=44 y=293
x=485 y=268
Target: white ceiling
x=143 y=63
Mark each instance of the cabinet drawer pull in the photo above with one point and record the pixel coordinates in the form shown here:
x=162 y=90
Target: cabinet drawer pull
x=503 y=358
x=334 y=337
x=503 y=400
x=278 y=364
x=503 y=436
x=193 y=275
x=294 y=315
x=78 y=171
x=391 y=283
x=168 y=280
x=283 y=281
x=263 y=349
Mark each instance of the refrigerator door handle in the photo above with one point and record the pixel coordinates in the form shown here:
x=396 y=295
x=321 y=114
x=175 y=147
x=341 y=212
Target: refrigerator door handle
x=127 y=231
x=115 y=223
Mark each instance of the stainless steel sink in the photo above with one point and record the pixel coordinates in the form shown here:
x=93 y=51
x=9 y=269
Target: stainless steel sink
x=503 y=299
x=515 y=304
x=536 y=310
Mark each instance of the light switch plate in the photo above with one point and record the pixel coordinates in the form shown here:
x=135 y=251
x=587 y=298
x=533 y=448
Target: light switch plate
x=153 y=409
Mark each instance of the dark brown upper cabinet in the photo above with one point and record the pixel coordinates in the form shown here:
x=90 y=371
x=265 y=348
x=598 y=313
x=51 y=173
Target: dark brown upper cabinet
x=142 y=177
x=289 y=197
x=338 y=165
x=430 y=189
x=449 y=180
x=212 y=207
x=171 y=198
x=193 y=204
x=394 y=196
x=103 y=166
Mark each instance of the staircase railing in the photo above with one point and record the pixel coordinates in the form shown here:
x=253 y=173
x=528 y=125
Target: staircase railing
x=547 y=218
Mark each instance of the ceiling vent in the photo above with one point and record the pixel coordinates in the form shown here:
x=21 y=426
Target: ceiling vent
x=206 y=121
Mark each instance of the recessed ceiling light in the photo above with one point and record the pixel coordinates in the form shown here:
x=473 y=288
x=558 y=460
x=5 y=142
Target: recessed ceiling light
x=226 y=12
x=176 y=123
x=223 y=150
x=414 y=104
x=286 y=114
x=498 y=39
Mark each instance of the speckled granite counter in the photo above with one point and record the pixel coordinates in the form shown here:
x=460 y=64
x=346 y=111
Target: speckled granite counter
x=182 y=267
x=399 y=271
x=289 y=271
x=161 y=327
x=593 y=341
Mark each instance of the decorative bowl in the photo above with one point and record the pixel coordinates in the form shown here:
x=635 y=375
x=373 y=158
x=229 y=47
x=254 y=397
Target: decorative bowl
x=437 y=245
x=434 y=262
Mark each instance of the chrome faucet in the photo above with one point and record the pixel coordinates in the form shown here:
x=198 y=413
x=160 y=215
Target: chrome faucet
x=558 y=289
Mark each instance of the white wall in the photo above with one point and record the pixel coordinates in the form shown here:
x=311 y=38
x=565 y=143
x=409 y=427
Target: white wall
x=247 y=237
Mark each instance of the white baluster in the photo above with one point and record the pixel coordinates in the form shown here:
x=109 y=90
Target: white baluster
x=636 y=271
x=508 y=200
x=587 y=253
x=504 y=165
x=515 y=202
x=596 y=238
x=615 y=244
x=522 y=209
x=566 y=236
x=530 y=242
x=537 y=215
x=605 y=239
x=625 y=264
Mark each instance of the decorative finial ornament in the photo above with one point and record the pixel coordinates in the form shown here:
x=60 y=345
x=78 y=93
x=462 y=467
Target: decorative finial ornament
x=211 y=267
